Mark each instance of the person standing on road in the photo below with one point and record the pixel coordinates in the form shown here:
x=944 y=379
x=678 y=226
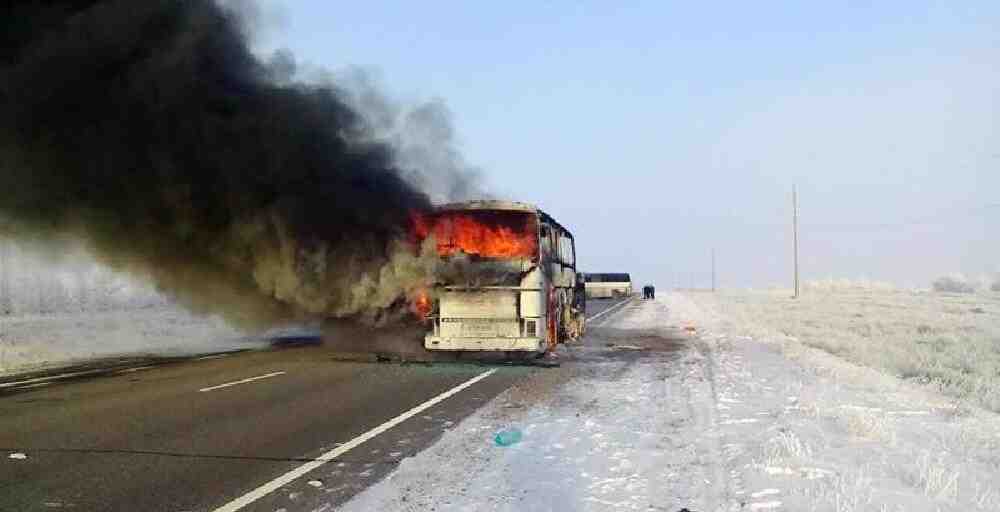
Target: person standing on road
x=652 y=292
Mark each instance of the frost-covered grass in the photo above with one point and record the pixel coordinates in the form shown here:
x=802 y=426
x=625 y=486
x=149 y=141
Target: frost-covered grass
x=40 y=279
x=855 y=437
x=29 y=342
x=950 y=341
x=58 y=306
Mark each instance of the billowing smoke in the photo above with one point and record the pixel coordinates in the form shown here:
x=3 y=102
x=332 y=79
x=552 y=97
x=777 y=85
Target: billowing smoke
x=422 y=135
x=149 y=131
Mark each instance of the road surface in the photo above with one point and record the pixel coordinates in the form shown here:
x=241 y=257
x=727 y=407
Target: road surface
x=228 y=432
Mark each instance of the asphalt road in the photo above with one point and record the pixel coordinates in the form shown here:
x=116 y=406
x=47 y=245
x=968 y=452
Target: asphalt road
x=195 y=435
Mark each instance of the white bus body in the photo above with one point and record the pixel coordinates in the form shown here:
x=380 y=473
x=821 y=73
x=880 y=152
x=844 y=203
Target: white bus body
x=529 y=299
x=607 y=285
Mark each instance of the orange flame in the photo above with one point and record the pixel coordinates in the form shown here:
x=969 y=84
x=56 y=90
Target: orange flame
x=421 y=304
x=483 y=233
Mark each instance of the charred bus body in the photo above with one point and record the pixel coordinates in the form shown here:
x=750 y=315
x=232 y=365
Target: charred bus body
x=509 y=280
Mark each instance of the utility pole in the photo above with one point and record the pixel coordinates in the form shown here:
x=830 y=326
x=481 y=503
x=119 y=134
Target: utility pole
x=713 y=269
x=6 y=301
x=795 y=238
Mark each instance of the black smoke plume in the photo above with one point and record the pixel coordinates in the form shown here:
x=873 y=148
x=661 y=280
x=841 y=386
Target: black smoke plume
x=148 y=130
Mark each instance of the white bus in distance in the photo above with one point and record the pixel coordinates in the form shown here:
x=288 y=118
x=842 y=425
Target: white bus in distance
x=607 y=285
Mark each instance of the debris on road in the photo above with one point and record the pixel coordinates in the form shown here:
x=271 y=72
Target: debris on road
x=508 y=437
x=315 y=483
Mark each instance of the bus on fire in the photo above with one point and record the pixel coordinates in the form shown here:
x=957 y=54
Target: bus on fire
x=512 y=284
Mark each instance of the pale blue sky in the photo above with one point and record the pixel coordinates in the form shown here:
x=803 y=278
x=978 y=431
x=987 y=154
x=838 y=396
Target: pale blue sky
x=657 y=130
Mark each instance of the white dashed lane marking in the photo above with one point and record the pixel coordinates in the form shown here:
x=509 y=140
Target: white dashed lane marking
x=212 y=356
x=243 y=381
x=300 y=471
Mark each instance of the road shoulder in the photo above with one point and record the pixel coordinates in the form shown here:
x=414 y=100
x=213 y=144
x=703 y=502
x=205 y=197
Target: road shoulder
x=620 y=424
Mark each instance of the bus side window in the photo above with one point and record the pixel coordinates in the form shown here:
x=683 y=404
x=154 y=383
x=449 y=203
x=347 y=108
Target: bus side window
x=566 y=250
x=544 y=235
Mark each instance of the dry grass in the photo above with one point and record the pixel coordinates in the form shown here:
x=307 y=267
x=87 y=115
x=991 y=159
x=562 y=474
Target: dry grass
x=785 y=445
x=850 y=491
x=948 y=341
x=867 y=424
x=933 y=475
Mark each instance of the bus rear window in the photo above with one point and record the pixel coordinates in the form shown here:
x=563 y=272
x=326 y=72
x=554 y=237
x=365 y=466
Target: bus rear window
x=493 y=234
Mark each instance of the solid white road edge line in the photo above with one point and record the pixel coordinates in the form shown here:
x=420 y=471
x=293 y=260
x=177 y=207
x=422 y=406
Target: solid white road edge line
x=136 y=369
x=610 y=309
x=38 y=385
x=49 y=378
x=298 y=472
x=244 y=381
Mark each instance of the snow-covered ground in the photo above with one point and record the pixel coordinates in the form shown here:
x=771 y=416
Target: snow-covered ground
x=949 y=341
x=703 y=419
x=60 y=306
x=29 y=342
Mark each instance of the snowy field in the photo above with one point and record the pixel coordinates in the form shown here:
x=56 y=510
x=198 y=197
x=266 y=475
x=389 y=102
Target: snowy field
x=950 y=341
x=58 y=306
x=31 y=342
x=670 y=405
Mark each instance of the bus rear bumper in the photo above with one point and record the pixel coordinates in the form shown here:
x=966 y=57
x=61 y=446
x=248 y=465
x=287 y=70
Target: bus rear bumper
x=492 y=344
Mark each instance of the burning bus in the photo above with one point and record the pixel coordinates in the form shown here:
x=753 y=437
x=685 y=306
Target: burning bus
x=509 y=282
